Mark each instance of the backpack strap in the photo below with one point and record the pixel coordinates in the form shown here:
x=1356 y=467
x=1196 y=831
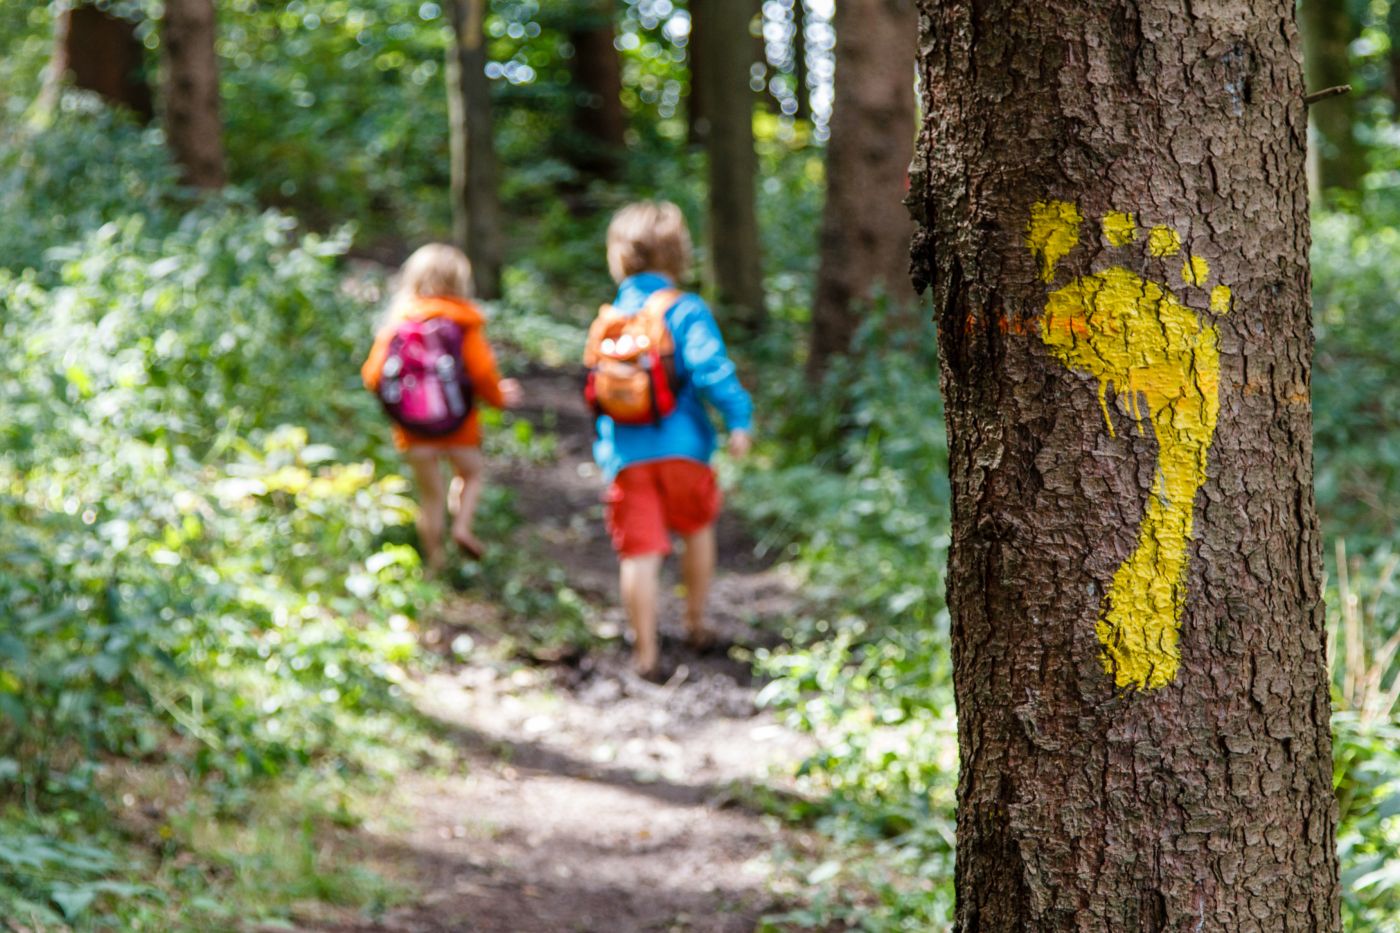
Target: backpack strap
x=607 y=316
x=657 y=305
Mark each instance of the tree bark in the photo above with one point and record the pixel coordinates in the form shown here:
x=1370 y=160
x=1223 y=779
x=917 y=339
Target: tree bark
x=597 y=74
x=733 y=164
x=865 y=227
x=101 y=53
x=192 y=126
x=799 y=61
x=1392 y=23
x=1328 y=31
x=760 y=65
x=476 y=206
x=1113 y=218
x=697 y=107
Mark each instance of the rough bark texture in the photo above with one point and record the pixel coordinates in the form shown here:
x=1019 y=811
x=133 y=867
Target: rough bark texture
x=192 y=125
x=865 y=227
x=733 y=164
x=1328 y=30
x=476 y=206
x=597 y=74
x=100 y=52
x=1138 y=645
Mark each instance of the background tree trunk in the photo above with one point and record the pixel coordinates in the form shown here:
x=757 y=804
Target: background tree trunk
x=99 y=52
x=799 y=60
x=1114 y=777
x=733 y=223
x=697 y=107
x=761 y=67
x=192 y=125
x=865 y=227
x=597 y=73
x=1392 y=24
x=1328 y=31
x=476 y=207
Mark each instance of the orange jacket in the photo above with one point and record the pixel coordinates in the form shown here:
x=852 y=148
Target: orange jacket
x=476 y=356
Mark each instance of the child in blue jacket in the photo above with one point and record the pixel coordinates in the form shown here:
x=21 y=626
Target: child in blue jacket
x=659 y=472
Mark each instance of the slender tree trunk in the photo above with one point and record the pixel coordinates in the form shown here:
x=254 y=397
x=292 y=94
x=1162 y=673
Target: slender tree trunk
x=597 y=73
x=476 y=206
x=192 y=125
x=865 y=227
x=99 y=52
x=697 y=107
x=1328 y=31
x=760 y=64
x=799 y=60
x=733 y=164
x=1114 y=220
x=1392 y=23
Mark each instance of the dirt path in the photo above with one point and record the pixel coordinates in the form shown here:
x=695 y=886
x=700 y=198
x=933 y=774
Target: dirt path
x=590 y=800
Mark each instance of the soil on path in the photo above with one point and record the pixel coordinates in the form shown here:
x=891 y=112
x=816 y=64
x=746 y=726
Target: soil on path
x=586 y=798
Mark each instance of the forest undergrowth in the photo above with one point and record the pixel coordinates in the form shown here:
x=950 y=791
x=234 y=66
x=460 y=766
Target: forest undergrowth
x=213 y=604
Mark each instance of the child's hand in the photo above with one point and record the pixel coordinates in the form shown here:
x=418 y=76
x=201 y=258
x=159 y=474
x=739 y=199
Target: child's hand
x=739 y=444
x=511 y=393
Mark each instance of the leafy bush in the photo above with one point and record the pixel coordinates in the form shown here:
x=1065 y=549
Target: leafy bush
x=204 y=564
x=1364 y=612
x=856 y=490
x=1356 y=397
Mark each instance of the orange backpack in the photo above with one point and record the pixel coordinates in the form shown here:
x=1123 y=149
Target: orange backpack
x=631 y=362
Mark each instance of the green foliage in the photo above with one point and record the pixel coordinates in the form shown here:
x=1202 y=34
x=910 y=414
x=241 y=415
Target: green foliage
x=1364 y=609
x=1356 y=408
x=204 y=565
x=856 y=491
x=90 y=168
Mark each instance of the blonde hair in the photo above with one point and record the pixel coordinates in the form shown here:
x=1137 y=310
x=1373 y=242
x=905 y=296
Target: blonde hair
x=434 y=270
x=648 y=236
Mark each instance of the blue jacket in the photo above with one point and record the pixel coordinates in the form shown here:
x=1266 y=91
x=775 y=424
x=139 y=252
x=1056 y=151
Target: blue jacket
x=705 y=373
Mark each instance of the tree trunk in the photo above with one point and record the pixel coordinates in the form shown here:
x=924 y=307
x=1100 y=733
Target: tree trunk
x=1392 y=22
x=99 y=52
x=1328 y=31
x=865 y=227
x=733 y=164
x=1113 y=217
x=760 y=67
x=697 y=107
x=192 y=126
x=597 y=74
x=799 y=61
x=476 y=207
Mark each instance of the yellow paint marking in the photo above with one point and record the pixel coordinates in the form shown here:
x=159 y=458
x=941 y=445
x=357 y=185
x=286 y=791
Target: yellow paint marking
x=1119 y=229
x=1220 y=299
x=1196 y=271
x=1138 y=339
x=1052 y=233
x=1163 y=241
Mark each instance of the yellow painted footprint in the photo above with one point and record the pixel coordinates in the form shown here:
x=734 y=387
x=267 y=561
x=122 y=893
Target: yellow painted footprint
x=1137 y=338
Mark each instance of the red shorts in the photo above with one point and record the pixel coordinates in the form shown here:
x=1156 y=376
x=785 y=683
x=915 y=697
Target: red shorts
x=649 y=500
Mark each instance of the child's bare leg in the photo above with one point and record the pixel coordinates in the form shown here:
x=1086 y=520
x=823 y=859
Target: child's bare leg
x=697 y=570
x=432 y=501
x=641 y=579
x=470 y=468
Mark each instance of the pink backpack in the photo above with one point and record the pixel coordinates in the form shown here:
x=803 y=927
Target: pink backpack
x=424 y=385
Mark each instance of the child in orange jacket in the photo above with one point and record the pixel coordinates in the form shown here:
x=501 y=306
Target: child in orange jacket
x=437 y=282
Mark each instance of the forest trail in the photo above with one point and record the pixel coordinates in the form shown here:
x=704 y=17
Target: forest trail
x=584 y=798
